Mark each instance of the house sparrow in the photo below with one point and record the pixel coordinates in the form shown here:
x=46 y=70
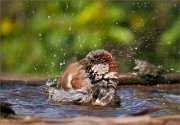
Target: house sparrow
x=147 y=70
x=92 y=80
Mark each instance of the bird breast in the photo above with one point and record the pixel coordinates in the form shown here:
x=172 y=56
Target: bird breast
x=74 y=77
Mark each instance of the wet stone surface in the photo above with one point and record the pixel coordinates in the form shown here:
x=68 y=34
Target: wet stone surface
x=29 y=100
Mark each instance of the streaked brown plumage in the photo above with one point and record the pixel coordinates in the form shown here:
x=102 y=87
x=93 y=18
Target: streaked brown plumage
x=92 y=80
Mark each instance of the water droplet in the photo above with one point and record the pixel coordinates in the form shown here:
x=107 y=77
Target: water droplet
x=62 y=63
x=50 y=82
x=70 y=28
x=172 y=69
x=53 y=64
x=67 y=6
x=169 y=42
x=40 y=34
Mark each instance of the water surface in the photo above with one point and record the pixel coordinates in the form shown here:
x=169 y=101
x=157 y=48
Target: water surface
x=29 y=100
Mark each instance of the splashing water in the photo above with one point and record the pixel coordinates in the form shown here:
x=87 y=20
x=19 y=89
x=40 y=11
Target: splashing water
x=29 y=100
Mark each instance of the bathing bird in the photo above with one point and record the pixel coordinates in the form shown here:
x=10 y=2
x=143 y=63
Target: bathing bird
x=92 y=80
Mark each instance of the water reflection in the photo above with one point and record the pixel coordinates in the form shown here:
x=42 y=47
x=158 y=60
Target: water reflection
x=28 y=100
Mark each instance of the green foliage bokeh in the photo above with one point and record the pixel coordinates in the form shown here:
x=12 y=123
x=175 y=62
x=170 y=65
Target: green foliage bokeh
x=43 y=36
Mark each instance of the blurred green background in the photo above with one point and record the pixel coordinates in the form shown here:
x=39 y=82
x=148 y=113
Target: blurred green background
x=41 y=37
